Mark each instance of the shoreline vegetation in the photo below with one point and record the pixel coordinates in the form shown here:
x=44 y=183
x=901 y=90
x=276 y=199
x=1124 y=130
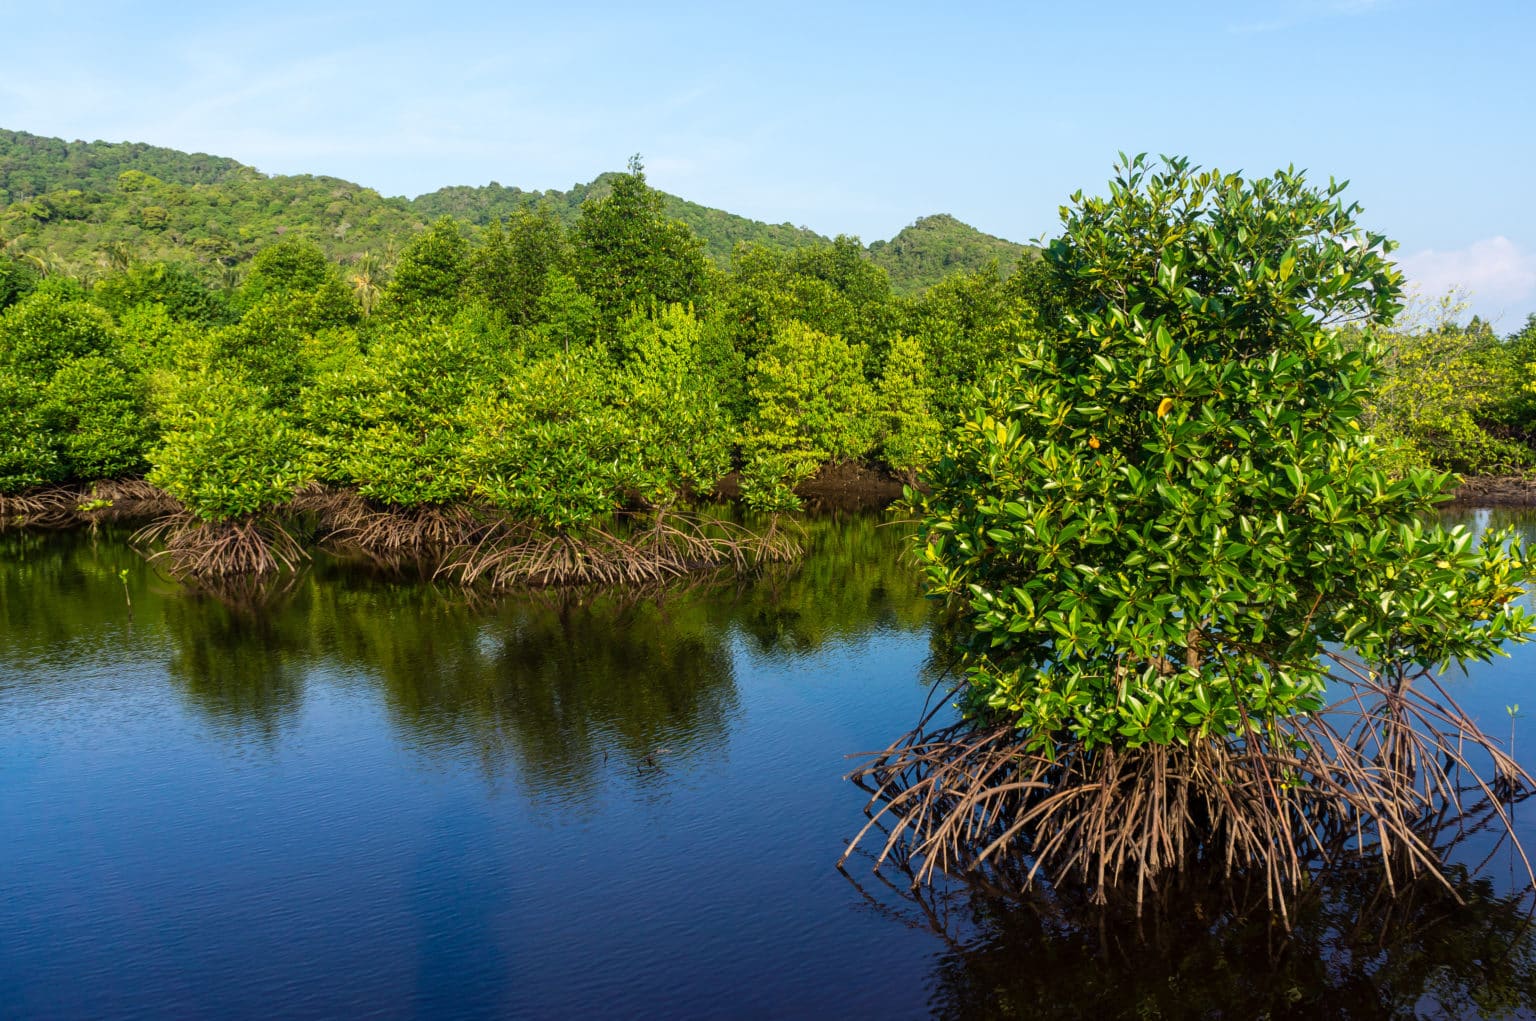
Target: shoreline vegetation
x=543 y=389
x=1171 y=480
x=1203 y=613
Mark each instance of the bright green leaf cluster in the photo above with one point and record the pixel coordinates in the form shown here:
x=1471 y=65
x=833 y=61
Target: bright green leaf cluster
x=1156 y=523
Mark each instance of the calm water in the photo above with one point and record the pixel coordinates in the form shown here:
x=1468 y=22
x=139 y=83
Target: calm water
x=369 y=798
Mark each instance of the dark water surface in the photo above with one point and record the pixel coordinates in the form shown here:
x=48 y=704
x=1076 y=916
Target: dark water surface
x=369 y=798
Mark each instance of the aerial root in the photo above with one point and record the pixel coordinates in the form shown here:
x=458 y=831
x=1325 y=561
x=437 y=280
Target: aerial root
x=67 y=506
x=517 y=554
x=1391 y=771
x=48 y=507
x=391 y=537
x=253 y=546
x=125 y=500
x=470 y=544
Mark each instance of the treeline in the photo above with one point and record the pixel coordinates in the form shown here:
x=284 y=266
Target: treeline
x=530 y=401
x=76 y=207
x=1458 y=396
x=499 y=395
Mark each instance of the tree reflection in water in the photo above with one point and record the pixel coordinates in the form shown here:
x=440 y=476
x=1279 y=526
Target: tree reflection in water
x=553 y=687
x=1205 y=947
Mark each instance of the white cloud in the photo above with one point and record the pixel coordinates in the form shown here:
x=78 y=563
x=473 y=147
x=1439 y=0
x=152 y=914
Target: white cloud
x=1497 y=275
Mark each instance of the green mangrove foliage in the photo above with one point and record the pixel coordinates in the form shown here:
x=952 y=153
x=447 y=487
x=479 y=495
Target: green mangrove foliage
x=911 y=433
x=812 y=404
x=391 y=379
x=1454 y=395
x=1166 y=512
x=1164 y=532
x=389 y=422
x=72 y=408
x=226 y=452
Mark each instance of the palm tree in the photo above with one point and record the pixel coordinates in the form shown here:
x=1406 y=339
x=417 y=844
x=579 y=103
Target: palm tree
x=368 y=278
x=44 y=260
x=119 y=255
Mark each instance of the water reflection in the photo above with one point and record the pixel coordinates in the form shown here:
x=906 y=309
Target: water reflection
x=1357 y=950
x=556 y=687
x=854 y=577
x=172 y=865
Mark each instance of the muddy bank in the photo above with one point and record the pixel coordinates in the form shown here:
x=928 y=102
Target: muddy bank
x=846 y=486
x=1497 y=490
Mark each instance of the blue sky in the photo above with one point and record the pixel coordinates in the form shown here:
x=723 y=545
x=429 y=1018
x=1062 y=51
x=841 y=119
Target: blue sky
x=847 y=118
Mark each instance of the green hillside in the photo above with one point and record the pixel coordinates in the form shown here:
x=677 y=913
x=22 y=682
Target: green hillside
x=71 y=205
x=720 y=231
x=33 y=165
x=936 y=246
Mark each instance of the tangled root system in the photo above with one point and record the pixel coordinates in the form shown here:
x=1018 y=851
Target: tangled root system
x=1386 y=772
x=219 y=549
x=470 y=544
x=512 y=554
x=70 y=506
x=50 y=507
x=391 y=537
x=125 y=500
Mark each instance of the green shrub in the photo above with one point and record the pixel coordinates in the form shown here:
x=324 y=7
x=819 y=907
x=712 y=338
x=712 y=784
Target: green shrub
x=431 y=273
x=1443 y=385
x=96 y=413
x=389 y=422
x=1161 y=519
x=911 y=435
x=225 y=452
x=47 y=328
x=628 y=253
x=177 y=290
x=810 y=393
x=680 y=437
x=546 y=446
x=28 y=456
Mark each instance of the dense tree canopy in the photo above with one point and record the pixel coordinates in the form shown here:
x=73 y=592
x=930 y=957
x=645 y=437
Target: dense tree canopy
x=1159 y=517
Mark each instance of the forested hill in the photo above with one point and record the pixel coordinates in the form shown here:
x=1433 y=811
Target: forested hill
x=32 y=165
x=721 y=231
x=71 y=204
x=936 y=246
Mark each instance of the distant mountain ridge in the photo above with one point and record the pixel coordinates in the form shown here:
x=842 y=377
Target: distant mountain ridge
x=721 y=231
x=69 y=201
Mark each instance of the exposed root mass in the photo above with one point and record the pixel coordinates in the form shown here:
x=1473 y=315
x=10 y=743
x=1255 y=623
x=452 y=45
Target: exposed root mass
x=1386 y=772
x=125 y=500
x=511 y=554
x=470 y=544
x=391 y=537
x=52 y=507
x=203 y=549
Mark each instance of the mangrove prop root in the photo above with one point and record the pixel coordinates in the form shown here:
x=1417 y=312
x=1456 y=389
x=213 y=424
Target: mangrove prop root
x=215 y=549
x=470 y=544
x=1388 y=771
x=126 y=500
x=389 y=536
x=51 y=507
x=71 y=506
x=512 y=554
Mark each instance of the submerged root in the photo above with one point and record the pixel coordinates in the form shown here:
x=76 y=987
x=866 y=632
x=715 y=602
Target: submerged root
x=391 y=537
x=50 y=507
x=219 y=549
x=126 y=500
x=1390 y=771
x=510 y=554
